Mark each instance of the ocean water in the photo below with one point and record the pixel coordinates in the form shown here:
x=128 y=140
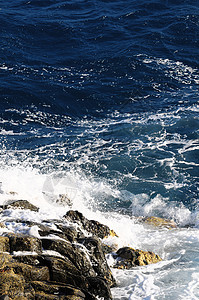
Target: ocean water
x=99 y=102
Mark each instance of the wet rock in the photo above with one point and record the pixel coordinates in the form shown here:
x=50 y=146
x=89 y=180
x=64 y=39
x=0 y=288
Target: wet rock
x=44 y=296
x=128 y=257
x=63 y=271
x=13 y=193
x=59 y=268
x=20 y=242
x=109 y=248
x=160 y=222
x=74 y=267
x=98 y=286
x=64 y=200
x=98 y=259
x=75 y=256
x=46 y=231
x=4 y=244
x=69 y=232
x=33 y=260
x=23 y=204
x=92 y=226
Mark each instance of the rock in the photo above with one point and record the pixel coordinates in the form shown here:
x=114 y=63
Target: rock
x=2 y=225
x=5 y=258
x=11 y=284
x=74 y=255
x=128 y=257
x=44 y=296
x=13 y=193
x=21 y=242
x=73 y=268
x=30 y=272
x=29 y=292
x=160 y=222
x=92 y=226
x=46 y=231
x=109 y=248
x=23 y=204
x=98 y=259
x=50 y=288
x=4 y=297
x=64 y=200
x=33 y=260
x=59 y=268
x=63 y=271
x=99 y=286
x=69 y=232
x=4 y=244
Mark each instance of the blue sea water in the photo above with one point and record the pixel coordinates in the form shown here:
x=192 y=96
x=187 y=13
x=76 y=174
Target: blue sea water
x=105 y=95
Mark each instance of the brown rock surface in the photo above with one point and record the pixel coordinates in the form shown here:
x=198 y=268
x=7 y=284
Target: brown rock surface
x=160 y=222
x=11 y=284
x=128 y=257
x=4 y=244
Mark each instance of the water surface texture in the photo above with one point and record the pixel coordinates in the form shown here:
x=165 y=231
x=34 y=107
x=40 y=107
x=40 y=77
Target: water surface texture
x=99 y=101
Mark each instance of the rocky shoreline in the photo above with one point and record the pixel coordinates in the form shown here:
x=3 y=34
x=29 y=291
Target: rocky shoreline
x=65 y=260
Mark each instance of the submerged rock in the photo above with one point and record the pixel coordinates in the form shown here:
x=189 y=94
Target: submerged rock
x=127 y=258
x=160 y=222
x=63 y=199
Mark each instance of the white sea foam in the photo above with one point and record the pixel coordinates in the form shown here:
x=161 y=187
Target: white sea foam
x=55 y=186
x=176 y=246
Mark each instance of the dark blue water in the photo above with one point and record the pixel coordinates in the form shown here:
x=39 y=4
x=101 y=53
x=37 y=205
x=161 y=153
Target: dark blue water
x=117 y=76
x=107 y=91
